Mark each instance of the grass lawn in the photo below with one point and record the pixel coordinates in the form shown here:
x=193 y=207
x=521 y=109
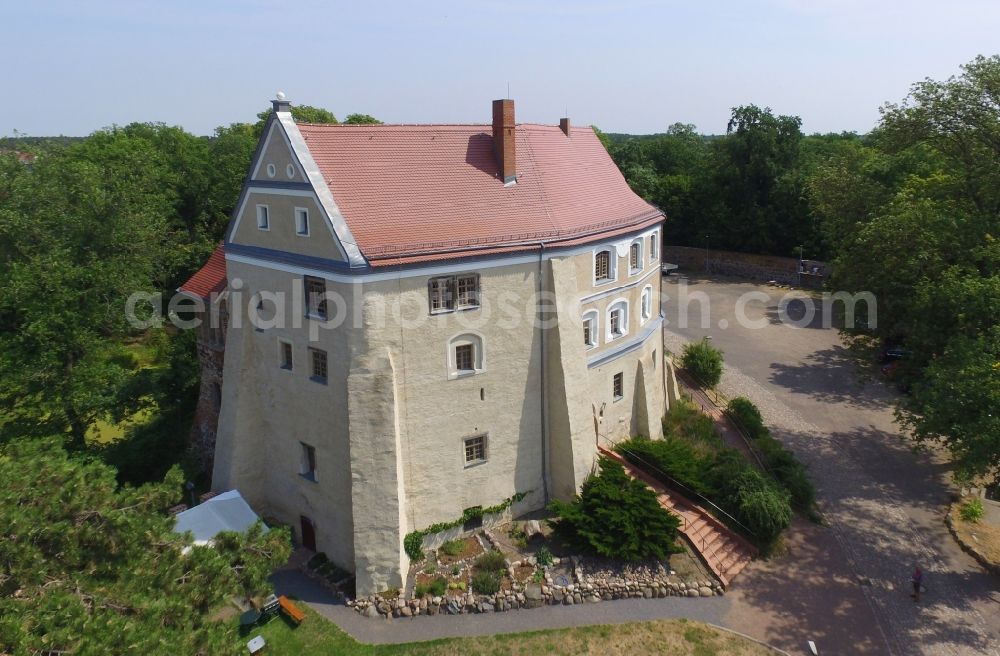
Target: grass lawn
x=676 y=637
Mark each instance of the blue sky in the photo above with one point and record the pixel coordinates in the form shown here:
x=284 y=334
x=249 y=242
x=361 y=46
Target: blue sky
x=626 y=66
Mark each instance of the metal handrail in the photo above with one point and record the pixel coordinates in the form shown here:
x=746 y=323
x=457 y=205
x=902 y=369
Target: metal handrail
x=722 y=401
x=674 y=481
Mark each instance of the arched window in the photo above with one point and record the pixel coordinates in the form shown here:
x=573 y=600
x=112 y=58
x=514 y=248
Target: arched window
x=635 y=262
x=617 y=321
x=647 y=303
x=604 y=266
x=590 y=329
x=465 y=355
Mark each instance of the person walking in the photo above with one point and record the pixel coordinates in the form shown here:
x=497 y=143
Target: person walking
x=918 y=580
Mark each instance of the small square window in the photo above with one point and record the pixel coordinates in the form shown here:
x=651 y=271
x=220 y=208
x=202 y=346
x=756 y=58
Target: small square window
x=286 y=355
x=475 y=449
x=301 y=222
x=263 y=222
x=318 y=365
x=465 y=357
x=619 y=386
x=308 y=465
x=315 y=297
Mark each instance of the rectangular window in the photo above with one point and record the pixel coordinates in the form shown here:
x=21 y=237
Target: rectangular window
x=318 y=365
x=654 y=246
x=619 y=386
x=633 y=257
x=654 y=360
x=616 y=322
x=464 y=360
x=302 y=221
x=475 y=449
x=588 y=332
x=308 y=468
x=263 y=222
x=286 y=355
x=468 y=291
x=315 y=297
x=440 y=294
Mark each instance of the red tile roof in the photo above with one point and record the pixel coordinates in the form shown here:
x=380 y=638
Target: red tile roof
x=413 y=192
x=209 y=278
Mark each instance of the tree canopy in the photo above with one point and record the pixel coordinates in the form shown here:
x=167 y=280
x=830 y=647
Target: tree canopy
x=88 y=567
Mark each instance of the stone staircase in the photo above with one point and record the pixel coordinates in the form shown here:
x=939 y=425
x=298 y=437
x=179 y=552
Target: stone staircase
x=722 y=550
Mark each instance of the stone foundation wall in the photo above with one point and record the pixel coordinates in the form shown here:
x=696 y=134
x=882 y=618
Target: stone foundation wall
x=761 y=268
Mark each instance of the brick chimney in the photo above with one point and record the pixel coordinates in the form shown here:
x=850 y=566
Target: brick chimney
x=564 y=126
x=503 y=138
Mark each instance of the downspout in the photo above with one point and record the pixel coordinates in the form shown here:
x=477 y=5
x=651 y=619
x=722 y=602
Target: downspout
x=542 y=382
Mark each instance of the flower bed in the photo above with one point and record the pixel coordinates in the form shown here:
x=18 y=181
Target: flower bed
x=524 y=583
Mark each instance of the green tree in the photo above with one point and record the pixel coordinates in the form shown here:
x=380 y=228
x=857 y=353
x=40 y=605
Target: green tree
x=703 y=361
x=919 y=221
x=80 y=231
x=301 y=114
x=617 y=517
x=361 y=119
x=91 y=568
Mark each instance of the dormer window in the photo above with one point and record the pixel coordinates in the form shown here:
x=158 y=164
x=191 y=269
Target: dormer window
x=263 y=220
x=604 y=266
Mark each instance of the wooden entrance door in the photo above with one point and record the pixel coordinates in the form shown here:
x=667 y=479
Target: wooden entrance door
x=308 y=533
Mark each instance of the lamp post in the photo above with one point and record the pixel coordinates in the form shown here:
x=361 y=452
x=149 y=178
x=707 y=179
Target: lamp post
x=801 y=265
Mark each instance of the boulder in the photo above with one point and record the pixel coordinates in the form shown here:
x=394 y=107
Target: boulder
x=370 y=611
x=706 y=591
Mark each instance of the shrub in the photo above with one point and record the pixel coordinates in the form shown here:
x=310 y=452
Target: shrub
x=762 y=505
x=486 y=583
x=455 y=569
x=435 y=588
x=671 y=457
x=491 y=561
x=413 y=545
x=747 y=416
x=972 y=510
x=452 y=547
x=703 y=361
x=544 y=556
x=788 y=471
x=617 y=517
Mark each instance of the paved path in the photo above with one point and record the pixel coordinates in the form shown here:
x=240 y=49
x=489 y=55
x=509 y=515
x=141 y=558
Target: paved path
x=380 y=631
x=846 y=586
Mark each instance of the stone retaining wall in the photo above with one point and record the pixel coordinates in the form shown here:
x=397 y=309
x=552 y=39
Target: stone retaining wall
x=761 y=268
x=593 y=581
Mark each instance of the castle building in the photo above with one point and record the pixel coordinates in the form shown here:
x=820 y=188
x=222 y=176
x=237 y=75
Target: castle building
x=422 y=319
